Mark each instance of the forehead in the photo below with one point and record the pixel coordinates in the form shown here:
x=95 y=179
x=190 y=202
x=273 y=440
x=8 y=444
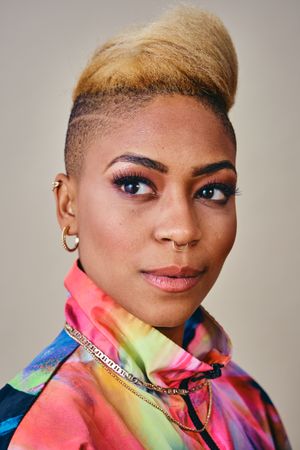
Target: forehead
x=177 y=130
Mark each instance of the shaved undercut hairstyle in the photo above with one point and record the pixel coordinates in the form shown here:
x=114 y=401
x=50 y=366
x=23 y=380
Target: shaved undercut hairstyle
x=186 y=51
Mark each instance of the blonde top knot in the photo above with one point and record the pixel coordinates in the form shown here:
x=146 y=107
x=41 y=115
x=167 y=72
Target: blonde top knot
x=186 y=50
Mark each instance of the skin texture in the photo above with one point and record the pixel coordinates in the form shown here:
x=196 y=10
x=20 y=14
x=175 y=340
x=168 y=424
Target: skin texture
x=123 y=234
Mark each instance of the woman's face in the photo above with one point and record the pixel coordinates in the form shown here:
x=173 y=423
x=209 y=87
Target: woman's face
x=165 y=175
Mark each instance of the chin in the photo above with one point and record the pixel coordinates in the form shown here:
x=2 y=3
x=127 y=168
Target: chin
x=167 y=319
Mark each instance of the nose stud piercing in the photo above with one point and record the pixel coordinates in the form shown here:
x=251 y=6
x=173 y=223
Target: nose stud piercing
x=179 y=248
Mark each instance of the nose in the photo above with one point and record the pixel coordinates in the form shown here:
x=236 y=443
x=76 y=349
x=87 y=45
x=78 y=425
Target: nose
x=177 y=221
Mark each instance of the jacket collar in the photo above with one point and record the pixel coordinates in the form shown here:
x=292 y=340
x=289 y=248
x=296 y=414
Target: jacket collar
x=138 y=347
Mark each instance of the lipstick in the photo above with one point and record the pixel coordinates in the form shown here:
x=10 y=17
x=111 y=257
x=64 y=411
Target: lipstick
x=173 y=278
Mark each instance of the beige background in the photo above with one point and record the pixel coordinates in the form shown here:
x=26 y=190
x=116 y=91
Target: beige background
x=44 y=45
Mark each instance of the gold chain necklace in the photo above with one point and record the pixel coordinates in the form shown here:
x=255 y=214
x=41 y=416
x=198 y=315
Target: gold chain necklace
x=117 y=372
x=95 y=351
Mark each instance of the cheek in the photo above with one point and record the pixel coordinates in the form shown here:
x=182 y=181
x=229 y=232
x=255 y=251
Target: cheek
x=105 y=227
x=221 y=235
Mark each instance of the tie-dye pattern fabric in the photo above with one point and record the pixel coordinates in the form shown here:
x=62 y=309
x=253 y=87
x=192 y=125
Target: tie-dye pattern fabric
x=65 y=399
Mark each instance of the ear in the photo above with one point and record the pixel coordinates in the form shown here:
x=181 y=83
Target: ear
x=66 y=202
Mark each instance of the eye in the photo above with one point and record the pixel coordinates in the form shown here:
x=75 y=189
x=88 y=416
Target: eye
x=217 y=192
x=134 y=184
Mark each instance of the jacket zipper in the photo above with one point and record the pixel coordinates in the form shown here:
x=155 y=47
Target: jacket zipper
x=195 y=419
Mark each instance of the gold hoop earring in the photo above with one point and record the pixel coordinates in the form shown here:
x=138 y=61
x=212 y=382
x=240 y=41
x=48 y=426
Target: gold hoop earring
x=64 y=235
x=179 y=248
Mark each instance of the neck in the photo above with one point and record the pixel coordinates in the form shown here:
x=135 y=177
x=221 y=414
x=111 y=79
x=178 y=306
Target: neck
x=174 y=333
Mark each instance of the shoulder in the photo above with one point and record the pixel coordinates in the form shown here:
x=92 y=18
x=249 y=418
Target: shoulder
x=19 y=395
x=253 y=403
x=245 y=385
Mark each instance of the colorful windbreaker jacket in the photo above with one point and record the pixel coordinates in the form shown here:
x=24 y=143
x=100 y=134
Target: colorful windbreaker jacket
x=65 y=399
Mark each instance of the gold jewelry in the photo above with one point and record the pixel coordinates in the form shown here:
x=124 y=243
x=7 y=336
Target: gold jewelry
x=56 y=184
x=116 y=372
x=99 y=355
x=179 y=248
x=64 y=235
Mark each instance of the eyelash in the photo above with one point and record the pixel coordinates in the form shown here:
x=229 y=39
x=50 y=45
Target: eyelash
x=121 y=178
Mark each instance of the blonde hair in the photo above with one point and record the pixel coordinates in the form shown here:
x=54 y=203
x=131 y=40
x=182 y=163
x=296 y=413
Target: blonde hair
x=186 y=51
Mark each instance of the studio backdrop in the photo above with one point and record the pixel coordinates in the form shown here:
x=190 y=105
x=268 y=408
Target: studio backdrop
x=44 y=46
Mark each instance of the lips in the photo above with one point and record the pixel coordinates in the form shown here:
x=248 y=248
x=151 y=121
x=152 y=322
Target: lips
x=173 y=278
x=175 y=271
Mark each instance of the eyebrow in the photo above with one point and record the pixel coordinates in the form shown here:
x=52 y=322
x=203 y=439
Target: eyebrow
x=162 y=168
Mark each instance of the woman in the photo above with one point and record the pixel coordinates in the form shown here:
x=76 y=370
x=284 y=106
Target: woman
x=149 y=194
